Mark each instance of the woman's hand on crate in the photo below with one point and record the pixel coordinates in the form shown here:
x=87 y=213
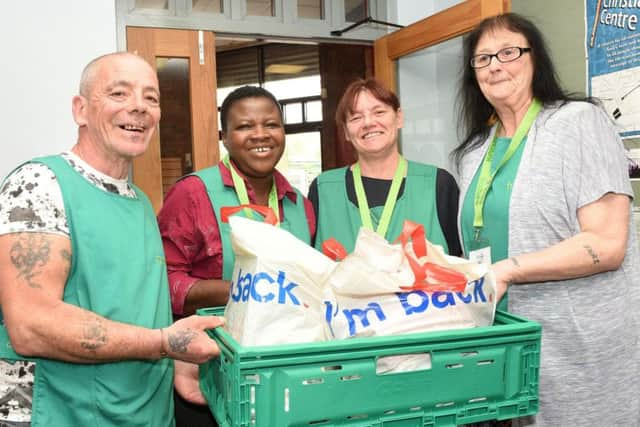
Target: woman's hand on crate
x=187 y=383
x=187 y=339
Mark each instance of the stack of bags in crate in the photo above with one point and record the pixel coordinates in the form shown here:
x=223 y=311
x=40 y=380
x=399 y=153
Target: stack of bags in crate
x=284 y=291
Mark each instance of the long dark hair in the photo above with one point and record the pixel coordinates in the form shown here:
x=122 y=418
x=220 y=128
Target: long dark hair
x=474 y=111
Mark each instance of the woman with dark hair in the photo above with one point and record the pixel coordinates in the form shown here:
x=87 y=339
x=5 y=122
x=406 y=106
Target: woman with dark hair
x=197 y=245
x=382 y=189
x=546 y=198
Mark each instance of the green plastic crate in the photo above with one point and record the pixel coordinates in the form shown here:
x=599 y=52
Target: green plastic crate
x=475 y=375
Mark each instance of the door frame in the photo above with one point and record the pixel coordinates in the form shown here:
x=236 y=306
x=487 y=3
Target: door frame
x=198 y=47
x=430 y=31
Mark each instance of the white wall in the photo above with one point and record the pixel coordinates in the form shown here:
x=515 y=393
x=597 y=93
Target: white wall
x=44 y=51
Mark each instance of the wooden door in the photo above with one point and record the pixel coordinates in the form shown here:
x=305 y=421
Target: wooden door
x=198 y=49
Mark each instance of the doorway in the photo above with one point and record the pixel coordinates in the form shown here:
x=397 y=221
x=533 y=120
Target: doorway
x=307 y=78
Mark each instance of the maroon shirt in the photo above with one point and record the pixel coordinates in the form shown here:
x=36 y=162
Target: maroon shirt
x=190 y=233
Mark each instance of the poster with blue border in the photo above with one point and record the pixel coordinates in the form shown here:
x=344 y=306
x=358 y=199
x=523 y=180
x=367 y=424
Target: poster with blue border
x=613 y=56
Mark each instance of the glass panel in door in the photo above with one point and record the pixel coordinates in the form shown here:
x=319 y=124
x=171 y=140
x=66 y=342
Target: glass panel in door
x=175 y=123
x=427 y=85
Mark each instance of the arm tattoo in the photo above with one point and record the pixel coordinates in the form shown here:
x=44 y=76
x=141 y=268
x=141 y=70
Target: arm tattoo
x=594 y=255
x=179 y=341
x=515 y=262
x=66 y=255
x=28 y=254
x=94 y=335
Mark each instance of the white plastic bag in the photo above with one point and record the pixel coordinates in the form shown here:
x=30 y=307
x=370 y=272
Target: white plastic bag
x=376 y=290
x=276 y=287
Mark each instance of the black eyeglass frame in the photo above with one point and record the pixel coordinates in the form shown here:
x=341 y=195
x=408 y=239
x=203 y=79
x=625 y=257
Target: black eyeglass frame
x=521 y=50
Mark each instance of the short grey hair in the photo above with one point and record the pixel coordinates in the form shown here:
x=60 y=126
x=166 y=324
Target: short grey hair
x=89 y=72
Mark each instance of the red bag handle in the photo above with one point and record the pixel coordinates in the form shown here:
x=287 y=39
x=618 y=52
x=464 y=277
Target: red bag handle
x=268 y=213
x=428 y=276
x=334 y=249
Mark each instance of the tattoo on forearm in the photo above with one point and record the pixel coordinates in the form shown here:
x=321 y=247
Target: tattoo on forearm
x=28 y=254
x=594 y=255
x=66 y=255
x=515 y=262
x=179 y=341
x=94 y=335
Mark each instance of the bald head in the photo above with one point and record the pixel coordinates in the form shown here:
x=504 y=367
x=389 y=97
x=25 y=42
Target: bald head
x=90 y=72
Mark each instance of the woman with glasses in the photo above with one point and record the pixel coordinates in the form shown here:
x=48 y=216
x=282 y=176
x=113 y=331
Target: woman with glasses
x=546 y=198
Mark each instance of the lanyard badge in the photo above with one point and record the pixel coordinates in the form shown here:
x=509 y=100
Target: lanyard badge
x=486 y=176
x=241 y=191
x=389 y=204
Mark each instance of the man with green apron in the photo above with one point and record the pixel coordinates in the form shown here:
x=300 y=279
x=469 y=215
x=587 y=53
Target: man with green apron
x=83 y=284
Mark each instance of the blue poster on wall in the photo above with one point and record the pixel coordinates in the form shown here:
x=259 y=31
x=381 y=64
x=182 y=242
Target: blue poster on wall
x=613 y=50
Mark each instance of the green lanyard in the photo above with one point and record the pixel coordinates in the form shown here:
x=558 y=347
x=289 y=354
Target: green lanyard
x=389 y=204
x=486 y=176
x=241 y=191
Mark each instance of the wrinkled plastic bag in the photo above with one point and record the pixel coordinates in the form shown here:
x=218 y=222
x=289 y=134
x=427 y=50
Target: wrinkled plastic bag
x=413 y=286
x=276 y=288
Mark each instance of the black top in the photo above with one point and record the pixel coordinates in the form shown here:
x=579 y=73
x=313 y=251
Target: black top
x=376 y=190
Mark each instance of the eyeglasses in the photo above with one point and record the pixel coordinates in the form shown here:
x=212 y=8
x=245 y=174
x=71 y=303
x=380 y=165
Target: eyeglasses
x=506 y=54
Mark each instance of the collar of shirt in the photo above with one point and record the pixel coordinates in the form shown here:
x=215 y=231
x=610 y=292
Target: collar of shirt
x=283 y=187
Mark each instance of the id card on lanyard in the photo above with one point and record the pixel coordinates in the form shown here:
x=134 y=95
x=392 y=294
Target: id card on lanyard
x=480 y=247
x=390 y=202
x=241 y=191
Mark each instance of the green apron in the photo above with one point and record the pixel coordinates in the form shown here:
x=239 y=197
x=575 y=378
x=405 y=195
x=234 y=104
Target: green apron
x=130 y=286
x=220 y=195
x=340 y=219
x=495 y=232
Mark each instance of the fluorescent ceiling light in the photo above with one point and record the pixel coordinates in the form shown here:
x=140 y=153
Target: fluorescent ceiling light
x=285 y=69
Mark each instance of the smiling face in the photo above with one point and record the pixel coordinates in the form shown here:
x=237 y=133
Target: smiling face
x=254 y=136
x=119 y=106
x=505 y=85
x=372 y=126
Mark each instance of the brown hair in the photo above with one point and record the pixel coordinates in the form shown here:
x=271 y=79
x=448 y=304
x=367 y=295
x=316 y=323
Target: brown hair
x=348 y=100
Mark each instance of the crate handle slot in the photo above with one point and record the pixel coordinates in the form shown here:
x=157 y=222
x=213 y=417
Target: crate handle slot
x=455 y=365
x=311 y=381
x=358 y=417
x=444 y=404
x=397 y=363
x=331 y=368
x=286 y=400
x=318 y=422
x=469 y=353
x=350 y=377
x=415 y=408
x=485 y=362
x=477 y=399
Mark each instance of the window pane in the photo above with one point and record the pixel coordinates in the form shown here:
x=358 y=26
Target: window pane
x=354 y=10
x=175 y=123
x=429 y=131
x=301 y=161
x=293 y=113
x=314 y=111
x=260 y=8
x=152 y=4
x=310 y=9
x=294 y=88
x=208 y=6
